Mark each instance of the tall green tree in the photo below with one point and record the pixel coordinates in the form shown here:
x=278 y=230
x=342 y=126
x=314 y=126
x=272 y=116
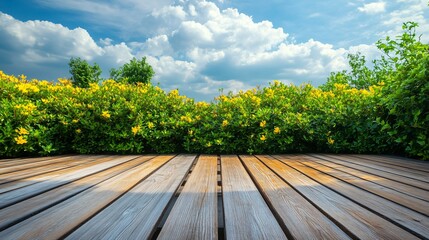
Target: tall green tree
x=133 y=72
x=83 y=73
x=360 y=76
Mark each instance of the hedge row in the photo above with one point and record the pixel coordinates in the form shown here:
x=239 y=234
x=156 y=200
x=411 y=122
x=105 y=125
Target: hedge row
x=43 y=118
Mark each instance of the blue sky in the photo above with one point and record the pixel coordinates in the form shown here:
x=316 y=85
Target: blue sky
x=201 y=46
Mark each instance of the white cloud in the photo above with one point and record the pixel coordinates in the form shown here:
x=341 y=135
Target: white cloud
x=46 y=41
x=410 y=11
x=192 y=45
x=373 y=8
x=38 y=43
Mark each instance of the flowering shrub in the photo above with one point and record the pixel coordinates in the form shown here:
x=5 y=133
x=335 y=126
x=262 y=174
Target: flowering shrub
x=40 y=118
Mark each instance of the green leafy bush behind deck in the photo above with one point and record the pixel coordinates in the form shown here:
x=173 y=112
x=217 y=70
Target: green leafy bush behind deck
x=404 y=69
x=38 y=117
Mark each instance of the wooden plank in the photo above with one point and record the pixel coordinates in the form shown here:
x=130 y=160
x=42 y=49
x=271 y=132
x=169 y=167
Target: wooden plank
x=402 y=216
x=23 y=161
x=356 y=220
x=247 y=216
x=194 y=215
x=27 y=208
x=13 y=167
x=384 y=174
x=57 y=165
x=303 y=220
x=57 y=221
x=6 y=187
x=136 y=213
x=58 y=178
x=409 y=173
x=363 y=176
x=395 y=160
x=405 y=169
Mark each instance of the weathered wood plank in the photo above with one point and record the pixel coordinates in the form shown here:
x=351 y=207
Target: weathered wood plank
x=402 y=216
x=27 y=208
x=6 y=187
x=8 y=167
x=384 y=174
x=303 y=220
x=22 y=161
x=59 y=220
x=421 y=173
x=51 y=167
x=247 y=216
x=353 y=218
x=136 y=213
x=56 y=179
x=398 y=161
x=409 y=173
x=404 y=170
x=375 y=182
x=194 y=215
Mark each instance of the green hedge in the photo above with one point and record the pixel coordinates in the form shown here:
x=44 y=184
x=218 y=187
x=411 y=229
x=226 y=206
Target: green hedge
x=40 y=118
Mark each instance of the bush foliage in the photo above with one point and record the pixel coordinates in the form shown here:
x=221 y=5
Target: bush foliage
x=389 y=115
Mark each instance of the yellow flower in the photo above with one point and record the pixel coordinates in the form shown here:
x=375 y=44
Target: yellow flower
x=65 y=82
x=78 y=130
x=135 y=129
x=263 y=123
x=150 y=125
x=225 y=123
x=331 y=141
x=277 y=83
x=269 y=93
x=263 y=138
x=276 y=130
x=75 y=121
x=186 y=118
x=22 y=131
x=105 y=114
x=20 y=140
x=190 y=132
x=23 y=77
x=174 y=92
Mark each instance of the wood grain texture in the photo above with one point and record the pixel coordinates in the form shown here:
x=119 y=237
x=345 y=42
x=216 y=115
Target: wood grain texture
x=51 y=167
x=401 y=171
x=57 y=221
x=59 y=178
x=136 y=213
x=247 y=216
x=302 y=219
x=400 y=193
x=9 y=167
x=25 y=209
x=402 y=216
x=194 y=215
x=124 y=197
x=357 y=220
x=398 y=161
x=23 y=161
x=6 y=187
x=394 y=177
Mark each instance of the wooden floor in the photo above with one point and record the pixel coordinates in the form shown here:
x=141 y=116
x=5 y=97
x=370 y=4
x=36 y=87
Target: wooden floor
x=313 y=196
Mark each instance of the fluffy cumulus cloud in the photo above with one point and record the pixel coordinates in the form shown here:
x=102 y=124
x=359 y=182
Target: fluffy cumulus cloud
x=373 y=8
x=192 y=45
x=41 y=47
x=409 y=10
